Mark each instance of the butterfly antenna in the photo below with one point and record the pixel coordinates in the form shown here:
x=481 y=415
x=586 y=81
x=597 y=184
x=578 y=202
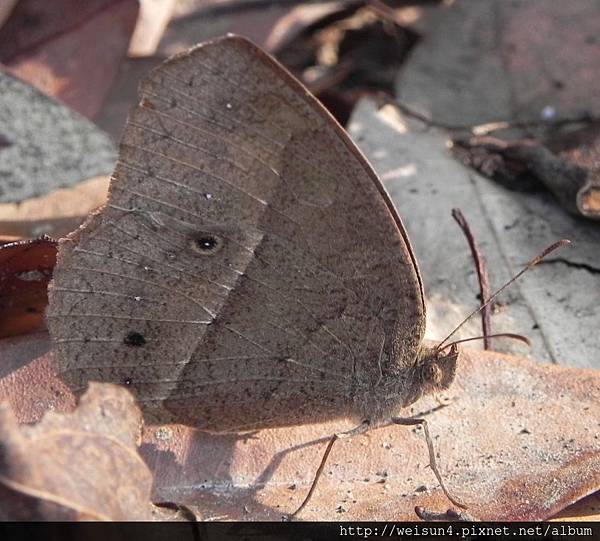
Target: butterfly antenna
x=519 y=337
x=532 y=263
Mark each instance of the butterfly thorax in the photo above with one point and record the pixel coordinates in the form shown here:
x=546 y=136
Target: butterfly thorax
x=433 y=371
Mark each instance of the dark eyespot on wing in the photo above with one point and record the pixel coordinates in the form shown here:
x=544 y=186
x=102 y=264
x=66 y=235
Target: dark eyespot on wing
x=206 y=244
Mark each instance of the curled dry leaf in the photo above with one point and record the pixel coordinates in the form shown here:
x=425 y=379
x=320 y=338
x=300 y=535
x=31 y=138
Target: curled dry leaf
x=573 y=177
x=25 y=270
x=583 y=148
x=52 y=45
x=588 y=198
x=81 y=465
x=508 y=444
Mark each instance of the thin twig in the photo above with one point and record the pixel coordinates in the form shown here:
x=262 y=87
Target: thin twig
x=532 y=263
x=385 y=12
x=333 y=78
x=482 y=276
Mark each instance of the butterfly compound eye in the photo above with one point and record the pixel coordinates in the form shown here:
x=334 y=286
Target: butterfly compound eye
x=433 y=373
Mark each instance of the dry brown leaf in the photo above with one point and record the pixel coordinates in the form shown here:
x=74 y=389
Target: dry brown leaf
x=509 y=445
x=81 y=465
x=25 y=270
x=55 y=214
x=28 y=380
x=184 y=460
x=587 y=509
x=6 y=8
x=53 y=46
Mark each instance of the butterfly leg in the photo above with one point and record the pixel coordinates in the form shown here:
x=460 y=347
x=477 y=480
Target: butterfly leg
x=443 y=400
x=432 y=463
x=250 y=435
x=360 y=429
x=451 y=515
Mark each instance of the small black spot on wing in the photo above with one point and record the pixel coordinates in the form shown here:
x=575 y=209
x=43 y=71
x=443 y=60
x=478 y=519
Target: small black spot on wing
x=134 y=339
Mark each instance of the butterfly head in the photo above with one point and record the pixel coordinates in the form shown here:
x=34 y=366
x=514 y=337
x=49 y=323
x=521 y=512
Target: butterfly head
x=435 y=369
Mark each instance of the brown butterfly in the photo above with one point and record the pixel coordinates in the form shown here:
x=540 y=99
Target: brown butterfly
x=249 y=269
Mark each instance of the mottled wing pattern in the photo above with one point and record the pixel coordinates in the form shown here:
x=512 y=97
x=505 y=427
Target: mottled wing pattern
x=249 y=269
